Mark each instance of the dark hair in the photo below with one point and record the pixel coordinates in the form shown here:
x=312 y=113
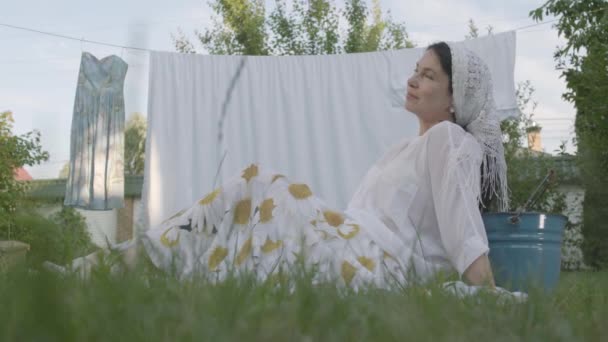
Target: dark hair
x=445 y=59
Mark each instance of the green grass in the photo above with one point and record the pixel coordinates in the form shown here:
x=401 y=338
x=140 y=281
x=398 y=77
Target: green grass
x=145 y=305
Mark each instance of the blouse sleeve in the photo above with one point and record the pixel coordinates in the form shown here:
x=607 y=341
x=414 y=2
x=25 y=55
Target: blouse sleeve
x=454 y=163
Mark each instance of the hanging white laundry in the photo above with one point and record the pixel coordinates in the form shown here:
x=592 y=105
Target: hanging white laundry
x=96 y=176
x=321 y=120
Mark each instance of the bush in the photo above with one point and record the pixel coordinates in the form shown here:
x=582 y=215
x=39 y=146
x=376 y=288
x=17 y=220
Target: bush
x=572 y=254
x=59 y=238
x=15 y=152
x=583 y=61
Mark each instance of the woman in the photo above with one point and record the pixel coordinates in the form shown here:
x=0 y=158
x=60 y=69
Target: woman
x=414 y=214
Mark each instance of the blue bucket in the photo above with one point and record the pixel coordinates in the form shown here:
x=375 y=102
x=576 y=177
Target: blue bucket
x=525 y=252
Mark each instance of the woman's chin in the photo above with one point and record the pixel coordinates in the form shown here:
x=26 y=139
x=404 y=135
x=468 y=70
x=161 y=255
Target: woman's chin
x=409 y=108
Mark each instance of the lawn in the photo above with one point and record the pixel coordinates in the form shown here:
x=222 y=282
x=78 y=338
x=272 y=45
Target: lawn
x=144 y=305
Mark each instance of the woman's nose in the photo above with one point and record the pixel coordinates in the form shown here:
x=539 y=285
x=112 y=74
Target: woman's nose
x=412 y=81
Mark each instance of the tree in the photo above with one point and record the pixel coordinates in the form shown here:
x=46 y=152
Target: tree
x=65 y=171
x=310 y=27
x=583 y=61
x=238 y=28
x=135 y=144
x=527 y=168
x=473 y=30
x=15 y=152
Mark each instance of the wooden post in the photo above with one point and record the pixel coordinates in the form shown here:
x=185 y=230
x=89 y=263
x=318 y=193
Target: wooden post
x=124 y=224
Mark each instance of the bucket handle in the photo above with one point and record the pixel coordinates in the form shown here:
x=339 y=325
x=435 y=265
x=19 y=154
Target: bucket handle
x=540 y=189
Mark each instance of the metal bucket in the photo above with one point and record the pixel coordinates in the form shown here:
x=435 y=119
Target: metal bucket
x=525 y=250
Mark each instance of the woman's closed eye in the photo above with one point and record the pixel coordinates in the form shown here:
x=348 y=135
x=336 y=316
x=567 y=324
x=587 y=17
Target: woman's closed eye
x=426 y=74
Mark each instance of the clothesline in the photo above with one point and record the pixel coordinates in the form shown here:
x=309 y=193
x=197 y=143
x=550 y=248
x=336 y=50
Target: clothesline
x=88 y=41
x=82 y=40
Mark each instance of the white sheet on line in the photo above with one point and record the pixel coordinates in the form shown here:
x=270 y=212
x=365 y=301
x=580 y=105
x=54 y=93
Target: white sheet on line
x=321 y=120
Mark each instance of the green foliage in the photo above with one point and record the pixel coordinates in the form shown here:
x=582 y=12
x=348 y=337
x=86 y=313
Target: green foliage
x=142 y=305
x=320 y=24
x=238 y=30
x=65 y=171
x=583 y=61
x=286 y=30
x=473 y=30
x=15 y=152
x=312 y=27
x=60 y=237
x=361 y=36
x=526 y=168
x=135 y=144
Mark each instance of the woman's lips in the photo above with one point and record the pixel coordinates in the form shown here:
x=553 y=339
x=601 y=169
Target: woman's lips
x=411 y=97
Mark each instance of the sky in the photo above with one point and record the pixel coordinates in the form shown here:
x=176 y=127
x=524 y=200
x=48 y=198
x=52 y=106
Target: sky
x=38 y=73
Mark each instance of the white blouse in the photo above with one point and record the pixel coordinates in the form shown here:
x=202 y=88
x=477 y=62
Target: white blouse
x=425 y=190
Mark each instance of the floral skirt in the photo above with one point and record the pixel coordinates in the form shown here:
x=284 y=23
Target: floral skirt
x=263 y=224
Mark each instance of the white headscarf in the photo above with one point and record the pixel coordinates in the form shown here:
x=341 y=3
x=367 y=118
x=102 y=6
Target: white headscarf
x=475 y=111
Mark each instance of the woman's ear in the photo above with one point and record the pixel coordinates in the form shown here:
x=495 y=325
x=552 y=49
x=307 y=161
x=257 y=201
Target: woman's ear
x=452 y=110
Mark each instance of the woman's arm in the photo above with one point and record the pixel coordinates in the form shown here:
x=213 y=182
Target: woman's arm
x=480 y=272
x=454 y=163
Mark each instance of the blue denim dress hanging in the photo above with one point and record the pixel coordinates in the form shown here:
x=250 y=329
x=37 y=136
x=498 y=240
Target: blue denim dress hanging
x=96 y=177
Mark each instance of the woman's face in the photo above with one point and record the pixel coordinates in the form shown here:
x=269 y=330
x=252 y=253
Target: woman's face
x=428 y=91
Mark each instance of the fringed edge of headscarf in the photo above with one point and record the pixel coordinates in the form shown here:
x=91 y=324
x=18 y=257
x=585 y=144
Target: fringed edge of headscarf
x=494 y=180
x=487 y=132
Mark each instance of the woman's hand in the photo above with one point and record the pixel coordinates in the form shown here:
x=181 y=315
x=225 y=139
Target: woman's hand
x=480 y=272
